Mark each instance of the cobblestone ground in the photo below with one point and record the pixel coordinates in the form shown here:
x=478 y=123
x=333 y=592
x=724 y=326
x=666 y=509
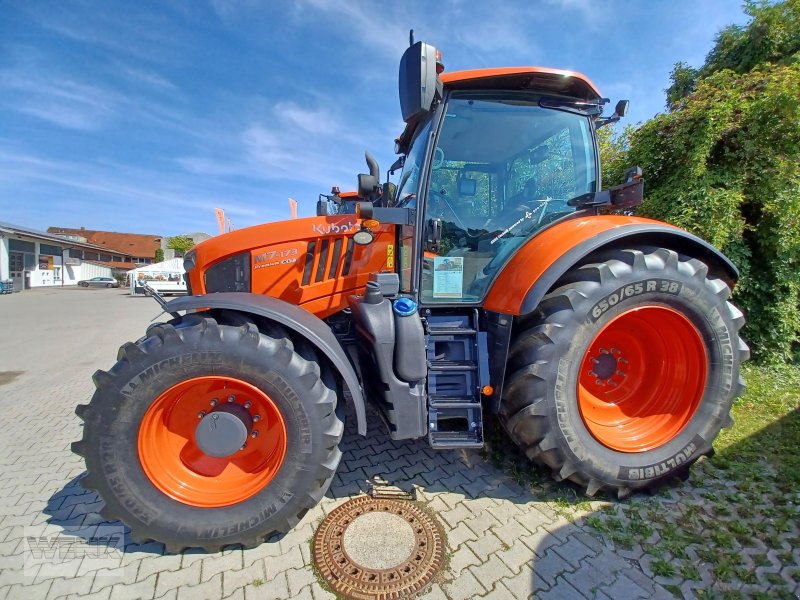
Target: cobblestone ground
x=503 y=542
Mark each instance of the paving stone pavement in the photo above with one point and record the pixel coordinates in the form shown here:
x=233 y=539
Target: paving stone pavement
x=502 y=541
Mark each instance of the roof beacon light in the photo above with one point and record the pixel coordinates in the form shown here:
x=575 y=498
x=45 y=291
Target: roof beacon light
x=439 y=63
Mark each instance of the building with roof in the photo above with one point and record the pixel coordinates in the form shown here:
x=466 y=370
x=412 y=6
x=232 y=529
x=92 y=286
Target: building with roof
x=32 y=258
x=127 y=249
x=142 y=247
x=64 y=256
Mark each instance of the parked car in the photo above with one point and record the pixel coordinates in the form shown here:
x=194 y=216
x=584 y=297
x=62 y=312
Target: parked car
x=108 y=282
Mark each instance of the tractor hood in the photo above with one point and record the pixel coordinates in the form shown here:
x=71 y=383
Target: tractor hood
x=312 y=262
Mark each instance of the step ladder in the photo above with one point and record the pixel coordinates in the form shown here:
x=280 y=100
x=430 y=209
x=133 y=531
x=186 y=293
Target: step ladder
x=457 y=370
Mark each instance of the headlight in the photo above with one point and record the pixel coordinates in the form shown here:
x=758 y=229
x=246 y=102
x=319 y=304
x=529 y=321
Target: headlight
x=230 y=275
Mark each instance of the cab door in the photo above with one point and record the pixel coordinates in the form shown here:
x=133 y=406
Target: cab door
x=502 y=168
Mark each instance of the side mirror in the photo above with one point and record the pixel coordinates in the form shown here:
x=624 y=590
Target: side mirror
x=420 y=86
x=620 y=110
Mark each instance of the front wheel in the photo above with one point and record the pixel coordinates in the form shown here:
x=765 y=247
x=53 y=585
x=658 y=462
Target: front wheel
x=206 y=434
x=626 y=372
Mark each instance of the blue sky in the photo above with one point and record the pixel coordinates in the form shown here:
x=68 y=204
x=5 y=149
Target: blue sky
x=144 y=116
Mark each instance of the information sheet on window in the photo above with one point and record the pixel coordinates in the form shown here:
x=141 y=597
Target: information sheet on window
x=448 y=277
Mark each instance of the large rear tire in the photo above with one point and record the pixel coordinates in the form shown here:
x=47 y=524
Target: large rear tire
x=142 y=446
x=625 y=374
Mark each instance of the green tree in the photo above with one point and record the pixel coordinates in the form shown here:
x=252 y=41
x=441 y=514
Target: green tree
x=181 y=244
x=614 y=148
x=159 y=256
x=684 y=79
x=725 y=164
x=771 y=36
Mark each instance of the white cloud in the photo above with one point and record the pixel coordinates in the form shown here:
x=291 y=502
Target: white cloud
x=125 y=193
x=147 y=35
x=363 y=21
x=318 y=120
x=64 y=102
x=147 y=77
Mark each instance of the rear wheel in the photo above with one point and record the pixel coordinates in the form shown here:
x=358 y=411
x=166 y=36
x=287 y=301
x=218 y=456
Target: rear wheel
x=206 y=434
x=626 y=372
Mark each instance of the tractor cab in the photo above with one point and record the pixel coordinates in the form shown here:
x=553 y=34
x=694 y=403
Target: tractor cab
x=497 y=156
x=501 y=168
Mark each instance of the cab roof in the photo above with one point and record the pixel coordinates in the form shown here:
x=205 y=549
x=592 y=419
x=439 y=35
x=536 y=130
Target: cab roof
x=540 y=79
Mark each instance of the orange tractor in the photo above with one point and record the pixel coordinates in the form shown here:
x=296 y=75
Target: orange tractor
x=496 y=277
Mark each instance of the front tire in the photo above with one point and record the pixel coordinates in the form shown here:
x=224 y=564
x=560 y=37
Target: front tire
x=142 y=445
x=626 y=372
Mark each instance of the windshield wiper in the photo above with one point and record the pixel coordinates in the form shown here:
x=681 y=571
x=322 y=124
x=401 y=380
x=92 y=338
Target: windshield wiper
x=574 y=106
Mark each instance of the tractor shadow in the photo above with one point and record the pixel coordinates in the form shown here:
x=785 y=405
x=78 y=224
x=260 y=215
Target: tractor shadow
x=77 y=512
x=512 y=530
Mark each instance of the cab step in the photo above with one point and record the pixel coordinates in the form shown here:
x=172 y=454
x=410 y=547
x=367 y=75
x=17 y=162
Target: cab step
x=457 y=354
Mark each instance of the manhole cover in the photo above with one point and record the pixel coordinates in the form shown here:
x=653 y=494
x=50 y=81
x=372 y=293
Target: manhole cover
x=378 y=549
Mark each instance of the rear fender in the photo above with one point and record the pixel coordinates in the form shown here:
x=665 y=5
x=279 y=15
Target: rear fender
x=541 y=262
x=292 y=317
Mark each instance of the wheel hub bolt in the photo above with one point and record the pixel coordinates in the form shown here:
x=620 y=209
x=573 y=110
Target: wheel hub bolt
x=231 y=398
x=254 y=433
x=247 y=404
x=201 y=414
x=256 y=418
x=214 y=401
x=243 y=447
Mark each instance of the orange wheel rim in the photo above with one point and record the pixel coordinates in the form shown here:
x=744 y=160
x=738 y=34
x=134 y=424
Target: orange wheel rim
x=642 y=379
x=175 y=464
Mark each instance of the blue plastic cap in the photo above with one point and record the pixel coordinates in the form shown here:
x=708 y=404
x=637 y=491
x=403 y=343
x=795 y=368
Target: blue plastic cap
x=405 y=307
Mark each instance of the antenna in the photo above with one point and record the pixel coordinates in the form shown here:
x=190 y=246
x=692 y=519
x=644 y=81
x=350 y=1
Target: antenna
x=411 y=37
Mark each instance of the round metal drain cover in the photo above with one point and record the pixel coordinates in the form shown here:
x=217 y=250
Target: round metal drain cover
x=378 y=549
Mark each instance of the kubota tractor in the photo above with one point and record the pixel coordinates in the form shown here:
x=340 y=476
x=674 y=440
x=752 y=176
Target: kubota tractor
x=495 y=277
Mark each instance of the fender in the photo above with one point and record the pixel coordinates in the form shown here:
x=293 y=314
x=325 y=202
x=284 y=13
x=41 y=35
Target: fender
x=292 y=317
x=548 y=256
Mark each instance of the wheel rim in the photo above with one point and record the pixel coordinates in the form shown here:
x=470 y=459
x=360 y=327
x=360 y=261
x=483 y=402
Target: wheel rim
x=642 y=379
x=175 y=464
